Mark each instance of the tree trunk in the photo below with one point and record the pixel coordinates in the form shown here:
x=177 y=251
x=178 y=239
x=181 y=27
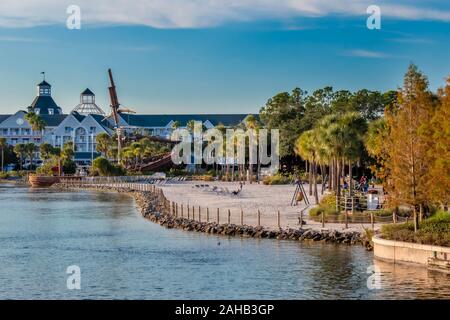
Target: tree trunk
x=322 y=173
x=415 y=218
x=350 y=182
x=316 y=195
x=338 y=178
x=330 y=175
x=310 y=177
x=306 y=167
x=420 y=212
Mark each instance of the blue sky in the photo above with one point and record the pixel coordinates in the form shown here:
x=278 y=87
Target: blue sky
x=221 y=60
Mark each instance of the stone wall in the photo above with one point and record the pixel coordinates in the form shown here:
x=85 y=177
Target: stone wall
x=398 y=251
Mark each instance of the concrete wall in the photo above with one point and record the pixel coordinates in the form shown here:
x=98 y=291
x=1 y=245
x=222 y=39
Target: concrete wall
x=398 y=251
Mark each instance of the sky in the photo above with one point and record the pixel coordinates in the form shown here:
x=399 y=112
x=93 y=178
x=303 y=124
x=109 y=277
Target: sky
x=212 y=56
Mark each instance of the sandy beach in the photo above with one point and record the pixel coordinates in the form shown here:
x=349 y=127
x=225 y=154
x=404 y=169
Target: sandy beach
x=253 y=197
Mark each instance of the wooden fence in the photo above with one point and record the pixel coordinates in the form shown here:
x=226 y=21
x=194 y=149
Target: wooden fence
x=219 y=215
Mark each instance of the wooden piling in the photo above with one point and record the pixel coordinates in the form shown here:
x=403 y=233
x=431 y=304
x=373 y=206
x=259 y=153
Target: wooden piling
x=278 y=219
x=259 y=218
x=372 y=221
x=323 y=219
x=229 y=216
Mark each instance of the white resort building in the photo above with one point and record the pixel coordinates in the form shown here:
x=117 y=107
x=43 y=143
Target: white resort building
x=87 y=120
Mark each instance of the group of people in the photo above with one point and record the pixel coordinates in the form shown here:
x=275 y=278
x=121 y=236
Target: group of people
x=362 y=185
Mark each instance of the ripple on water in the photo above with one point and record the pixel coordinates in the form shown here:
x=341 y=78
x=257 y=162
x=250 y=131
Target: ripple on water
x=122 y=255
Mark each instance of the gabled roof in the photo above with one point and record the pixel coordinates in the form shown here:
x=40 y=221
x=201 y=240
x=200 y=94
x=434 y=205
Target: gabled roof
x=3 y=117
x=53 y=120
x=87 y=92
x=102 y=121
x=43 y=103
x=161 y=120
x=44 y=83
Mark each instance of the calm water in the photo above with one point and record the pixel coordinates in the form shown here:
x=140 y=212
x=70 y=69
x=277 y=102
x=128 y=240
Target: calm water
x=122 y=255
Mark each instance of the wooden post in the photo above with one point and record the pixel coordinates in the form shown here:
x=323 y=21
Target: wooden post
x=199 y=214
x=176 y=210
x=242 y=217
x=229 y=216
x=337 y=204
x=345 y=203
x=188 y=210
x=259 y=218
x=323 y=219
x=371 y=220
x=207 y=214
x=182 y=210
x=193 y=212
x=346 y=219
x=353 y=205
x=278 y=219
x=218 y=215
x=301 y=219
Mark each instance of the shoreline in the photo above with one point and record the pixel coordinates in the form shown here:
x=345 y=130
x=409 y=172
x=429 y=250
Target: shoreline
x=154 y=206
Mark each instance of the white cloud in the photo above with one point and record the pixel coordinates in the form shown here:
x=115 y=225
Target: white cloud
x=199 y=13
x=365 y=54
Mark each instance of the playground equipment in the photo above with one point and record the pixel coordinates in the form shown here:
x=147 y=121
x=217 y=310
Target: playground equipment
x=299 y=194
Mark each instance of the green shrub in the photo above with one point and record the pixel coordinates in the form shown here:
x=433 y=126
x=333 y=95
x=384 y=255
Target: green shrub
x=4 y=175
x=434 y=230
x=277 y=179
x=104 y=168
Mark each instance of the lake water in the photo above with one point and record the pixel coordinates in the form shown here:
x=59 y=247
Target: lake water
x=124 y=256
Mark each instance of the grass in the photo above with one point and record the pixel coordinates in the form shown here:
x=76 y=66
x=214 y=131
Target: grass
x=277 y=179
x=434 y=231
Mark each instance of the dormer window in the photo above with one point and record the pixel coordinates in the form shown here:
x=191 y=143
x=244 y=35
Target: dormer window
x=51 y=111
x=37 y=110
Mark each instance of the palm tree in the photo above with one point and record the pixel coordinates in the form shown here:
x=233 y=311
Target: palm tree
x=30 y=150
x=176 y=124
x=45 y=150
x=306 y=146
x=103 y=143
x=19 y=150
x=355 y=128
x=251 y=123
x=36 y=122
x=3 y=145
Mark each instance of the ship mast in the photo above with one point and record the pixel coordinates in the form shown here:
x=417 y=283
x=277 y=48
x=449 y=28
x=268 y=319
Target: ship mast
x=115 y=112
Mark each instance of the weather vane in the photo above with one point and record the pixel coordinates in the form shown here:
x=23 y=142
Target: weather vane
x=43 y=75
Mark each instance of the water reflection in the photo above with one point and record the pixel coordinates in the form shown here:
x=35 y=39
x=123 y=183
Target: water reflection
x=122 y=255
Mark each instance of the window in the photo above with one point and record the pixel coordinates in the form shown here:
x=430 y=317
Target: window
x=37 y=110
x=14 y=141
x=51 y=111
x=92 y=129
x=68 y=130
